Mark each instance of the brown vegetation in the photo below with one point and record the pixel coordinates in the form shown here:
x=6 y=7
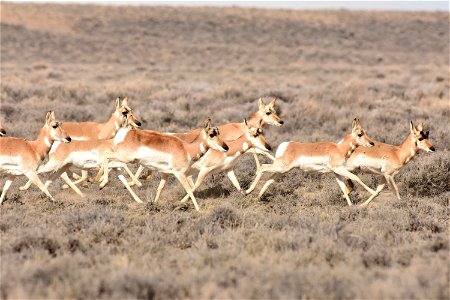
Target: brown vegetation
x=180 y=65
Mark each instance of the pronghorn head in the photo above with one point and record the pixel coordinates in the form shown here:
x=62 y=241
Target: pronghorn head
x=55 y=128
x=360 y=135
x=420 y=137
x=268 y=113
x=211 y=135
x=256 y=136
x=124 y=112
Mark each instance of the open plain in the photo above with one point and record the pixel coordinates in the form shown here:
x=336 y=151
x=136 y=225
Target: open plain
x=181 y=65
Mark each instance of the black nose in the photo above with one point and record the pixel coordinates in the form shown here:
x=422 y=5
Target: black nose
x=281 y=122
x=2 y=132
x=371 y=143
x=138 y=124
x=69 y=139
x=225 y=147
x=268 y=147
x=432 y=148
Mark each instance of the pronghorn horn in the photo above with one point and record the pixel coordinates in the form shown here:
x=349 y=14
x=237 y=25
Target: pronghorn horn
x=48 y=117
x=272 y=103
x=245 y=122
x=207 y=124
x=117 y=103
x=125 y=101
x=420 y=126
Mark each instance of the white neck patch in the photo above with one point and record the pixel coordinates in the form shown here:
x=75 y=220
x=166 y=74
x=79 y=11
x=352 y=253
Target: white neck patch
x=245 y=146
x=47 y=142
x=202 y=148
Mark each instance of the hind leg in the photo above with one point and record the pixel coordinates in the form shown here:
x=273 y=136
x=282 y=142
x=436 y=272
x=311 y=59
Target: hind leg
x=271 y=180
x=35 y=179
x=6 y=187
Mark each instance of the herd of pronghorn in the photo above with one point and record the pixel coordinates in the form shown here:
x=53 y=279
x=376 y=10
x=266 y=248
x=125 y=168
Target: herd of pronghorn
x=113 y=145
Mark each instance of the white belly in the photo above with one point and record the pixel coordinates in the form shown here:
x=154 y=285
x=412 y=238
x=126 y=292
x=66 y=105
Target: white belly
x=313 y=164
x=367 y=164
x=86 y=159
x=11 y=165
x=153 y=159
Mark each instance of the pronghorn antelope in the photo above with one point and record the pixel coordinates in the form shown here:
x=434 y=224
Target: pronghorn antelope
x=215 y=161
x=230 y=132
x=22 y=157
x=92 y=131
x=164 y=153
x=388 y=160
x=318 y=158
x=84 y=155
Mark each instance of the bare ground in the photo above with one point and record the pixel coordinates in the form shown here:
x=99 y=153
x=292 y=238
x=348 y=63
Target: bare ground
x=180 y=65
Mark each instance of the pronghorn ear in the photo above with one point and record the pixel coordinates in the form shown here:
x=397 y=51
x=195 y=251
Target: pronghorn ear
x=272 y=103
x=412 y=128
x=354 y=124
x=48 y=117
x=420 y=126
x=125 y=101
x=53 y=115
x=261 y=104
x=117 y=103
x=207 y=124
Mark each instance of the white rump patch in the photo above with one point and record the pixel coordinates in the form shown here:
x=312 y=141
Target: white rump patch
x=281 y=149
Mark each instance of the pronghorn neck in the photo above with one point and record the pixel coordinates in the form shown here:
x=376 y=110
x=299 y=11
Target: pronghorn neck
x=43 y=143
x=197 y=148
x=254 y=120
x=111 y=127
x=347 y=145
x=407 y=150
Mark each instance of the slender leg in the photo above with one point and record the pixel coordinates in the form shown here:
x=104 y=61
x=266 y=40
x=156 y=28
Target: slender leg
x=271 y=180
x=105 y=173
x=349 y=185
x=379 y=189
x=276 y=167
x=6 y=188
x=139 y=171
x=191 y=181
x=134 y=180
x=184 y=182
x=395 y=187
x=264 y=153
x=98 y=177
x=258 y=164
x=69 y=182
x=200 y=179
x=340 y=181
x=234 y=180
x=76 y=176
x=133 y=194
x=35 y=179
x=161 y=185
x=26 y=186
x=347 y=174
x=84 y=176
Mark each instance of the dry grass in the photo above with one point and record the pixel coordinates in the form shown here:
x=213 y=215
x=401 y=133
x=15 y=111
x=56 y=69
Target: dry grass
x=179 y=65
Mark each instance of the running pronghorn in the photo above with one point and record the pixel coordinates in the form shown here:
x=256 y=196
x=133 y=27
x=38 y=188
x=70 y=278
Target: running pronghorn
x=266 y=115
x=163 y=152
x=84 y=155
x=92 y=131
x=388 y=160
x=22 y=157
x=322 y=157
x=215 y=161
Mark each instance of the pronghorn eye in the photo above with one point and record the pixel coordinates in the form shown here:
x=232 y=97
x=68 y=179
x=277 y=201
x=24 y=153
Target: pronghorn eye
x=421 y=139
x=124 y=113
x=212 y=135
x=55 y=126
x=268 y=113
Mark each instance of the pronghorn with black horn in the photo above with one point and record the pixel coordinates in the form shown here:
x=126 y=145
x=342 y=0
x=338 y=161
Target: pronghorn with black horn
x=266 y=115
x=164 y=153
x=322 y=157
x=21 y=157
x=84 y=155
x=92 y=131
x=388 y=160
